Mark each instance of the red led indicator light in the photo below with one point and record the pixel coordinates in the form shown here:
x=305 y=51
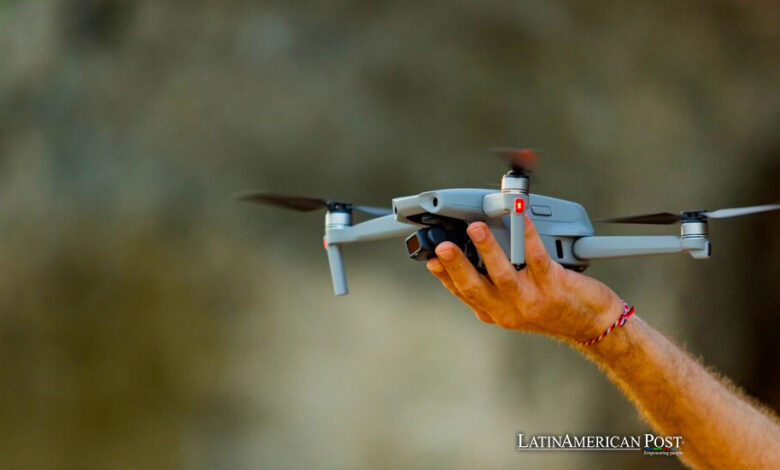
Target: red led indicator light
x=324 y=244
x=519 y=206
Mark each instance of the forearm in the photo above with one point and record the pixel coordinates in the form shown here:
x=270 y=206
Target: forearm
x=720 y=428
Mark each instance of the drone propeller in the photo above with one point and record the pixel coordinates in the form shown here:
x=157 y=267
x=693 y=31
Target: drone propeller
x=521 y=160
x=307 y=204
x=664 y=218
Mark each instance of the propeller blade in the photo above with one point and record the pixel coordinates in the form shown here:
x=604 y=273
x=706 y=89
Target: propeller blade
x=738 y=211
x=660 y=218
x=298 y=203
x=520 y=159
x=670 y=218
x=306 y=204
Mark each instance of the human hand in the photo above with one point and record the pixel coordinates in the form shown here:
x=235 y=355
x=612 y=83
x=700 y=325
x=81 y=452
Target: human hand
x=543 y=297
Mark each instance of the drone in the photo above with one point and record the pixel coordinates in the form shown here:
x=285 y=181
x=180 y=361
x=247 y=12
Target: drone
x=432 y=217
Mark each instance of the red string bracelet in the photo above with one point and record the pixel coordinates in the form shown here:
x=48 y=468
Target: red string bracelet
x=627 y=312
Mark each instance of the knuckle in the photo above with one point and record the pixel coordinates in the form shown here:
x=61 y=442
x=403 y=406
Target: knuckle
x=470 y=291
x=505 y=281
x=488 y=243
x=538 y=259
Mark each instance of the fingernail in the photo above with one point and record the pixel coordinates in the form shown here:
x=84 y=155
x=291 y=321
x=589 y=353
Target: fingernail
x=477 y=232
x=446 y=253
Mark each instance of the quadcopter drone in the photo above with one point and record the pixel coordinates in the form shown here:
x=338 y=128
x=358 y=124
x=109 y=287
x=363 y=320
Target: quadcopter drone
x=427 y=219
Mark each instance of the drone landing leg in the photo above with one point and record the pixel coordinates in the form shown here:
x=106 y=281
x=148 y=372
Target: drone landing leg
x=337 y=271
x=517 y=243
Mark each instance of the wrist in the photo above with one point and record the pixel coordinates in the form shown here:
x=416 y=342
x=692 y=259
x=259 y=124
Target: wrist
x=602 y=321
x=617 y=344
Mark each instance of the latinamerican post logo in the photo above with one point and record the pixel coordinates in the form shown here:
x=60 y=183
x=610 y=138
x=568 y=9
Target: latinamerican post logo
x=649 y=444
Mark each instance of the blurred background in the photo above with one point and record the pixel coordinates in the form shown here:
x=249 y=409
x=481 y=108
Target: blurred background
x=149 y=321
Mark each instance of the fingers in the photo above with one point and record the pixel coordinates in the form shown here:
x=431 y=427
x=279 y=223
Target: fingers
x=536 y=257
x=501 y=271
x=436 y=268
x=463 y=275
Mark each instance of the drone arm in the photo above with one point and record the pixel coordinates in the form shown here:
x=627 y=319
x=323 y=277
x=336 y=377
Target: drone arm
x=338 y=233
x=589 y=248
x=374 y=229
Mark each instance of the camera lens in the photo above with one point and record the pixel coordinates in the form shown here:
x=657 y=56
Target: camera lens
x=412 y=245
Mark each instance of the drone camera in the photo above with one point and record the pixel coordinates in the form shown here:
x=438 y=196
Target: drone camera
x=421 y=245
x=413 y=246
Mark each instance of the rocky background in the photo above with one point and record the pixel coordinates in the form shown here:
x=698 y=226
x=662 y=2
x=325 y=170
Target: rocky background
x=149 y=321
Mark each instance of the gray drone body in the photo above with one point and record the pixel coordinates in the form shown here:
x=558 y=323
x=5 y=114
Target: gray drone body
x=564 y=227
x=559 y=223
x=432 y=217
